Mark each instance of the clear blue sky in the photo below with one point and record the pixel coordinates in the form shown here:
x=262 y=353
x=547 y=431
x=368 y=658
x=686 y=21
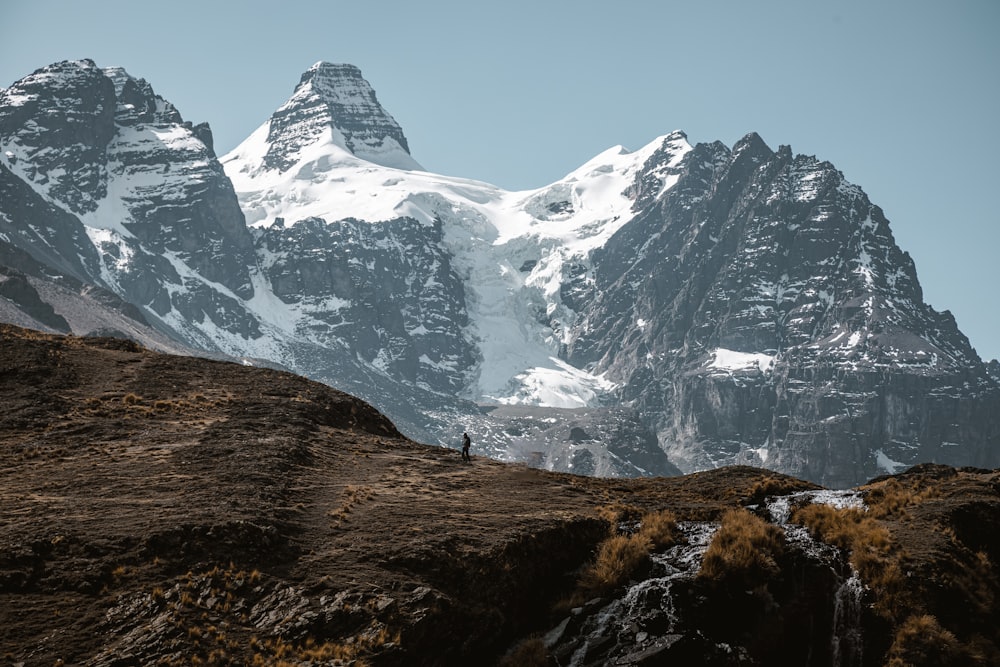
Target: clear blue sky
x=903 y=96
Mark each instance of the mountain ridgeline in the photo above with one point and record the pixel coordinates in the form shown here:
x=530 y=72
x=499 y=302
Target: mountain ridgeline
x=670 y=309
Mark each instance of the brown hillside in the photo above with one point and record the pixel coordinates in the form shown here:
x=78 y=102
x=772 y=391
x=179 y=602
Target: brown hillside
x=172 y=510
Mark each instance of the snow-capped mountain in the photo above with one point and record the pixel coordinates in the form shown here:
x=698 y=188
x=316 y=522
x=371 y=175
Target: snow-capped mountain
x=488 y=263
x=691 y=303
x=129 y=197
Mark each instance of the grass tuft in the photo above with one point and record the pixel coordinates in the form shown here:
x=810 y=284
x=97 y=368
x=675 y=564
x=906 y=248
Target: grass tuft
x=772 y=486
x=622 y=554
x=921 y=640
x=890 y=497
x=745 y=548
x=873 y=554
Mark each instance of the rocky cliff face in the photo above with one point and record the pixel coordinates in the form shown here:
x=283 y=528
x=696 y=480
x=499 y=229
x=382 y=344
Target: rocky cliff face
x=781 y=326
x=141 y=186
x=675 y=307
x=343 y=275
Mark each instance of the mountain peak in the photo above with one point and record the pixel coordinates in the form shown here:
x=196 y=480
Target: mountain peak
x=333 y=103
x=136 y=101
x=334 y=80
x=753 y=145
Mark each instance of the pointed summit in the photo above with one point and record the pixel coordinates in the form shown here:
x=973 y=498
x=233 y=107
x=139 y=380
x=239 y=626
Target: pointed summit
x=137 y=103
x=334 y=103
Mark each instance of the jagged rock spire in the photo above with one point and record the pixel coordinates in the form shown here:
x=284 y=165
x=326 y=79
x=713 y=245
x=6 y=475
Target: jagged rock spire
x=334 y=102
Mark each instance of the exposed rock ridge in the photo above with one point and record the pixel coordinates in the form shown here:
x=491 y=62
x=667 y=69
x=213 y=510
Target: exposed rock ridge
x=340 y=275
x=335 y=101
x=55 y=127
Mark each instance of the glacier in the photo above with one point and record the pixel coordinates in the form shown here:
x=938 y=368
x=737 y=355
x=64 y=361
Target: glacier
x=510 y=248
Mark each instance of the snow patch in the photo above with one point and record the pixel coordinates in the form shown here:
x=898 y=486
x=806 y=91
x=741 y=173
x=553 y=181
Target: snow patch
x=557 y=385
x=517 y=319
x=887 y=465
x=731 y=360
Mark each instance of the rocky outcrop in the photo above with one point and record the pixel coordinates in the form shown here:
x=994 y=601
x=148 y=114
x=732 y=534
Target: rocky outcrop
x=344 y=274
x=993 y=368
x=17 y=289
x=35 y=295
x=808 y=612
x=334 y=101
x=598 y=441
x=55 y=127
x=44 y=231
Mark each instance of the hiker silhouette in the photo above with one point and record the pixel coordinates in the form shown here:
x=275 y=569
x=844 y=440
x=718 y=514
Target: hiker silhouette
x=466 y=443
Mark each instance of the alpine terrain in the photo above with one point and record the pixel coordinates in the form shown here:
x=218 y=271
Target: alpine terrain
x=670 y=309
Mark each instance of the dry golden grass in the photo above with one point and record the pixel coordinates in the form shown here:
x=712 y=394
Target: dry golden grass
x=201 y=607
x=920 y=640
x=621 y=555
x=745 y=548
x=773 y=486
x=873 y=554
x=617 y=557
x=194 y=404
x=660 y=528
x=848 y=528
x=890 y=497
x=277 y=651
x=353 y=495
x=617 y=512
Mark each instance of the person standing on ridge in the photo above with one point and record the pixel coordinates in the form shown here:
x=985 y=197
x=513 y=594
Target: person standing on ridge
x=466 y=443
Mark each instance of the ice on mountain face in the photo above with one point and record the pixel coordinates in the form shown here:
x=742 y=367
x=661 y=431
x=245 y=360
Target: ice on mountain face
x=887 y=465
x=557 y=386
x=780 y=507
x=517 y=321
x=731 y=360
x=133 y=178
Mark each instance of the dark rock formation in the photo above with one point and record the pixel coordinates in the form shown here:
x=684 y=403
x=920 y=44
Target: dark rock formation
x=606 y=442
x=50 y=235
x=787 y=327
x=346 y=273
x=15 y=287
x=57 y=124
